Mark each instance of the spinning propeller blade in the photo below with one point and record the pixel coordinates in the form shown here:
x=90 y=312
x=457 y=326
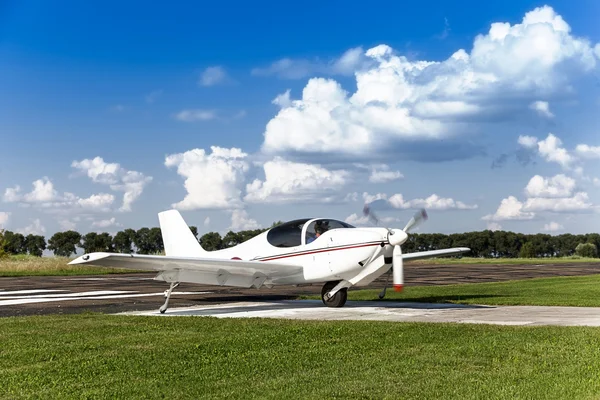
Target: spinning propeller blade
x=416 y=220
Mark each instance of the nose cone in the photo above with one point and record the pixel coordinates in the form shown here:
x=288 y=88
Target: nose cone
x=398 y=237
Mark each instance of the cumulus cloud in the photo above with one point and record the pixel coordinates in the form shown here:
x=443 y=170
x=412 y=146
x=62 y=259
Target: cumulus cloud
x=212 y=76
x=35 y=228
x=132 y=183
x=589 y=152
x=382 y=173
x=529 y=142
x=542 y=108
x=207 y=222
x=579 y=202
x=494 y=226
x=557 y=186
x=240 y=221
x=287 y=181
x=105 y=223
x=195 y=115
x=510 y=209
x=211 y=180
x=550 y=148
x=509 y=68
x=287 y=68
x=553 y=227
x=4 y=217
x=433 y=202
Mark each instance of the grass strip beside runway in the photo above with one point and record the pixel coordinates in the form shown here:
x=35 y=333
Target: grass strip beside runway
x=577 y=291
x=97 y=356
x=51 y=266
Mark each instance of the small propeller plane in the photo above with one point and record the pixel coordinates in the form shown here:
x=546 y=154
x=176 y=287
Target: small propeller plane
x=303 y=251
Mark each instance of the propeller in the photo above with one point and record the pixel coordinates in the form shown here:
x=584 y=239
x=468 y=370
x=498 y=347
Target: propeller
x=396 y=238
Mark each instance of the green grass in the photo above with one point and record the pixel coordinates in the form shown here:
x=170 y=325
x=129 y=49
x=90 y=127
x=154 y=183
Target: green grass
x=95 y=356
x=23 y=265
x=578 y=291
x=526 y=261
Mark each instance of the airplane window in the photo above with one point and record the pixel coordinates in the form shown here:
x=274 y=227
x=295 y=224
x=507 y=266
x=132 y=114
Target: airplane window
x=287 y=235
x=321 y=226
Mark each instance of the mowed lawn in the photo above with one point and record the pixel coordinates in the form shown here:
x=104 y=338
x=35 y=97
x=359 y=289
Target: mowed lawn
x=579 y=291
x=98 y=356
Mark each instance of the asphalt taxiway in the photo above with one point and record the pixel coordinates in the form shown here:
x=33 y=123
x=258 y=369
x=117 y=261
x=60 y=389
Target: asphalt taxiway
x=139 y=292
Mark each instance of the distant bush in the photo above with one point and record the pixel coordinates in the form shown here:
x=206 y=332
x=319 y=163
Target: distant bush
x=586 y=250
x=527 y=251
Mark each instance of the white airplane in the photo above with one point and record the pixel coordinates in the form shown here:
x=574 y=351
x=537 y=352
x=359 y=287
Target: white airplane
x=303 y=251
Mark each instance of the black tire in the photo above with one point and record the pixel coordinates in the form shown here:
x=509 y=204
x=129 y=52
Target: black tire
x=338 y=300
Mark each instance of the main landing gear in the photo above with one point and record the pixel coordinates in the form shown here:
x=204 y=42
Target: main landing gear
x=338 y=299
x=168 y=296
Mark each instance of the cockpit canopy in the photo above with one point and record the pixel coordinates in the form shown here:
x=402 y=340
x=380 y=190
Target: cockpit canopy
x=302 y=231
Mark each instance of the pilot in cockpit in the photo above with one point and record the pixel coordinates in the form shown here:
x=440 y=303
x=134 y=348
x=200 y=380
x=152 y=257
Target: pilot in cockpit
x=320 y=228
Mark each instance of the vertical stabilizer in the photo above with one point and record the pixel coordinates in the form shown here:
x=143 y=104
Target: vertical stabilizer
x=178 y=238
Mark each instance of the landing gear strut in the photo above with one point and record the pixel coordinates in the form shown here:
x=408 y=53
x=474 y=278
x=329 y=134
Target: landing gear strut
x=387 y=281
x=338 y=299
x=168 y=295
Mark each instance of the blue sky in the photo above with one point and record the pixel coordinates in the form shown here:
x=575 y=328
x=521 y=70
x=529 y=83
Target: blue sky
x=313 y=109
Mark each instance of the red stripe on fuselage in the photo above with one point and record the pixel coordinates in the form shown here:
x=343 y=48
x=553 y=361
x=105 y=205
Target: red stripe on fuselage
x=319 y=251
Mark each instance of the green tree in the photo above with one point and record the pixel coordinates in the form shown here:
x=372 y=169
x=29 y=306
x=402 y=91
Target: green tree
x=194 y=230
x=527 y=250
x=14 y=243
x=211 y=241
x=123 y=241
x=142 y=241
x=3 y=253
x=35 y=244
x=63 y=243
x=156 y=241
x=93 y=242
x=586 y=250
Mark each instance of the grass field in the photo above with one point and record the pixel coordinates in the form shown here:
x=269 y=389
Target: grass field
x=95 y=356
x=579 y=291
x=31 y=266
x=524 y=261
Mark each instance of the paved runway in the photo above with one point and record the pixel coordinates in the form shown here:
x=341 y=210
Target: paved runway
x=139 y=292
x=394 y=311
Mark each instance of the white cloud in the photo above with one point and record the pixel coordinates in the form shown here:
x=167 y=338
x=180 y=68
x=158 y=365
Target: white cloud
x=283 y=100
x=553 y=227
x=132 y=183
x=510 y=209
x=207 y=222
x=36 y=228
x=43 y=191
x=240 y=221
x=494 y=226
x=105 y=223
x=213 y=76
x=400 y=99
x=382 y=173
x=557 y=186
x=542 y=108
x=12 y=195
x=4 y=217
x=287 y=68
x=153 y=96
x=195 y=115
x=589 y=152
x=369 y=198
x=528 y=142
x=287 y=181
x=550 y=148
x=578 y=203
x=596 y=182
x=433 y=202
x=213 y=180
x=356 y=220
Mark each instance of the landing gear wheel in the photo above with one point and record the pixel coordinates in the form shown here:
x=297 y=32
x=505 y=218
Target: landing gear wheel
x=338 y=299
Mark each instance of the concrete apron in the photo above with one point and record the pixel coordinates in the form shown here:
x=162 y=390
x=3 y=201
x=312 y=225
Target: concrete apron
x=393 y=311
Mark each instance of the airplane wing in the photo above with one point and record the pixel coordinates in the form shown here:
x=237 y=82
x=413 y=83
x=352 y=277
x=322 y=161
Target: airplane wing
x=196 y=270
x=435 y=253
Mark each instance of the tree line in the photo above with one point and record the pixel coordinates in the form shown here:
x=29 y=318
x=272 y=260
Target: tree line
x=483 y=244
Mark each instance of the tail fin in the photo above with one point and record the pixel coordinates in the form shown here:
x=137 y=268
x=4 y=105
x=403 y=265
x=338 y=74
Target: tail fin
x=177 y=237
